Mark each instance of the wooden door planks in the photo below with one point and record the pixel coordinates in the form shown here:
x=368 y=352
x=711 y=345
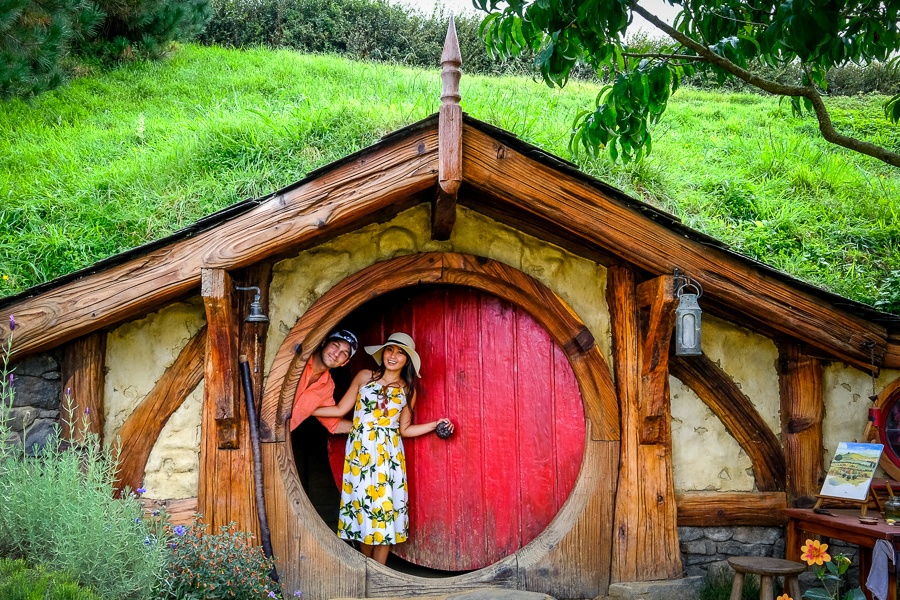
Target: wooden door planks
x=645 y=542
x=141 y=429
x=313 y=211
x=82 y=407
x=802 y=412
x=719 y=392
x=581 y=211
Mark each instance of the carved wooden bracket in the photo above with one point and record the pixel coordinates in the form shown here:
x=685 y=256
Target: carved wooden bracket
x=443 y=214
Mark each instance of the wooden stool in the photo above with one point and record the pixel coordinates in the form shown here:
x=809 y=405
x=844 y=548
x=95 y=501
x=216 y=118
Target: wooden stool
x=767 y=569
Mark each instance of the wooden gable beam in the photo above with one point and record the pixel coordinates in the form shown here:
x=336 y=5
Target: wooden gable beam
x=719 y=392
x=379 y=180
x=576 y=209
x=443 y=211
x=645 y=546
x=656 y=300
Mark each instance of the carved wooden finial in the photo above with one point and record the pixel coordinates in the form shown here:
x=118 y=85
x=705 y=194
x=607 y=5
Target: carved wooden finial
x=443 y=213
x=451 y=60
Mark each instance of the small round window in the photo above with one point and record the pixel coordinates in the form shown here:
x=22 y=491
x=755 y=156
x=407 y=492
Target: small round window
x=884 y=419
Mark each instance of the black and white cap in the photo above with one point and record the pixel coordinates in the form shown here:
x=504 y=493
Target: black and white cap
x=347 y=336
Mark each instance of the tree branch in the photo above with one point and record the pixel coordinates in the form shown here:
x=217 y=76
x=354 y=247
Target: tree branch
x=665 y=56
x=825 y=125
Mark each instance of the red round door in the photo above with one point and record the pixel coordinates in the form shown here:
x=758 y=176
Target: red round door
x=501 y=478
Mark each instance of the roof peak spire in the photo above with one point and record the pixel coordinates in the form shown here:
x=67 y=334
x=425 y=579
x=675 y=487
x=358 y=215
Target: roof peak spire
x=451 y=61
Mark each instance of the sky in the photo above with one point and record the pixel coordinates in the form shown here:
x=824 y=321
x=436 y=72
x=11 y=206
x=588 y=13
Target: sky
x=659 y=8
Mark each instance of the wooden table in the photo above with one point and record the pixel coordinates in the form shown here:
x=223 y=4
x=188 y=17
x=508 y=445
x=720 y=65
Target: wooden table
x=842 y=524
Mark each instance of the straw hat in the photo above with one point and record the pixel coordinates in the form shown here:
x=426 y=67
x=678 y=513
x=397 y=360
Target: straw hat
x=401 y=340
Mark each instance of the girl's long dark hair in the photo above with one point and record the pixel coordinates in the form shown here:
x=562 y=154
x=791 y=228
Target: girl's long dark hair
x=407 y=374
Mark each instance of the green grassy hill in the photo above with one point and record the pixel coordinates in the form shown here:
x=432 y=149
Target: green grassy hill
x=116 y=159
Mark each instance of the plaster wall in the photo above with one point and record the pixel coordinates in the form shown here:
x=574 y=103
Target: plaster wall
x=705 y=456
x=137 y=355
x=847 y=391
x=297 y=282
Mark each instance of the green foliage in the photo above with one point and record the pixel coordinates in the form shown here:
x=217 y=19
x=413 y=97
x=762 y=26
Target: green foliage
x=718 y=582
x=18 y=581
x=35 y=36
x=131 y=155
x=213 y=566
x=742 y=35
x=146 y=27
x=359 y=29
x=58 y=509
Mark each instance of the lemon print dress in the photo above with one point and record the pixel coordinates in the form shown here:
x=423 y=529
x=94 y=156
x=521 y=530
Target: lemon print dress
x=374 y=493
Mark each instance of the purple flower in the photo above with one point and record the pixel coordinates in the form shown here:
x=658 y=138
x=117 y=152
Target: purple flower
x=139 y=490
x=87 y=411
x=155 y=513
x=12 y=323
x=68 y=391
x=180 y=530
x=137 y=520
x=147 y=541
x=11 y=378
x=298 y=594
x=272 y=595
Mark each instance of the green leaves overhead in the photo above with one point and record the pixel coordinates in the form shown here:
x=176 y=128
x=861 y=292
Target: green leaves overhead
x=724 y=38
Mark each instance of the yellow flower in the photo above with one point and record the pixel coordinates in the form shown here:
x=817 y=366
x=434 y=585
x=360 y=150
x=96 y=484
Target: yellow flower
x=814 y=553
x=784 y=597
x=5 y=277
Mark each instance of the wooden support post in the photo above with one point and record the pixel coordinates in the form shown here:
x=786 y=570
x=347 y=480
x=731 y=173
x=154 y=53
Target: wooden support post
x=656 y=299
x=141 y=429
x=221 y=389
x=221 y=411
x=645 y=542
x=443 y=214
x=719 y=392
x=83 y=381
x=802 y=411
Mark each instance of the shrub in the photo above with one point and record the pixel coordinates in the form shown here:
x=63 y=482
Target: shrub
x=58 y=509
x=18 y=581
x=212 y=566
x=35 y=36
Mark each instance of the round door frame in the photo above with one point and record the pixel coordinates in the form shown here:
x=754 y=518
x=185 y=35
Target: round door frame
x=574 y=547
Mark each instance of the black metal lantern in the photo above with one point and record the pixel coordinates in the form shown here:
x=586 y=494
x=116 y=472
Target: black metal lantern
x=687 y=316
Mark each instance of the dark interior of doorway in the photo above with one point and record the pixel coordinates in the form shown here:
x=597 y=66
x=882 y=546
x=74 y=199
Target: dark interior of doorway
x=310 y=440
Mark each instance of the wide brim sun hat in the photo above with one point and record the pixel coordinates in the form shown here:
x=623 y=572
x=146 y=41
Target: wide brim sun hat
x=403 y=341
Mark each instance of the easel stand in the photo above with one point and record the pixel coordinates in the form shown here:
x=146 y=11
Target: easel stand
x=843 y=502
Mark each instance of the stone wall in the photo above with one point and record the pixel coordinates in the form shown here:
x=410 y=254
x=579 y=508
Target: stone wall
x=706 y=549
x=35 y=408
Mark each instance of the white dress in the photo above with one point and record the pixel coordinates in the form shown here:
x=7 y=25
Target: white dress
x=374 y=493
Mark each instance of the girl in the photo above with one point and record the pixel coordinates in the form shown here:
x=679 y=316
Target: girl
x=374 y=494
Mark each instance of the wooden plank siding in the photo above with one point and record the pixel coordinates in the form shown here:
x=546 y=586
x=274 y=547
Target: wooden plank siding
x=729 y=509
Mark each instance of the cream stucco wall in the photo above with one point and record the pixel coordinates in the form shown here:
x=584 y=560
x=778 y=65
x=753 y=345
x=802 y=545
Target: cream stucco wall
x=137 y=354
x=297 y=282
x=847 y=404
x=705 y=456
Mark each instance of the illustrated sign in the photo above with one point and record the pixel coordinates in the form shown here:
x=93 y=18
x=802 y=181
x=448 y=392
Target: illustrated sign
x=851 y=471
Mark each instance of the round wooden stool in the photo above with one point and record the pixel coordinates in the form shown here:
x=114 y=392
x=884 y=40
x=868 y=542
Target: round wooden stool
x=767 y=569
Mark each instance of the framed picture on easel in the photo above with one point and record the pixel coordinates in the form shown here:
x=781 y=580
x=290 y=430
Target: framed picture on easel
x=851 y=471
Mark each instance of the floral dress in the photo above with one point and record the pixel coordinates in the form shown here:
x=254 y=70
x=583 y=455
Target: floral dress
x=374 y=493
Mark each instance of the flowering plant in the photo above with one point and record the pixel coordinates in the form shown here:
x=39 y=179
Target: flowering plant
x=831 y=572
